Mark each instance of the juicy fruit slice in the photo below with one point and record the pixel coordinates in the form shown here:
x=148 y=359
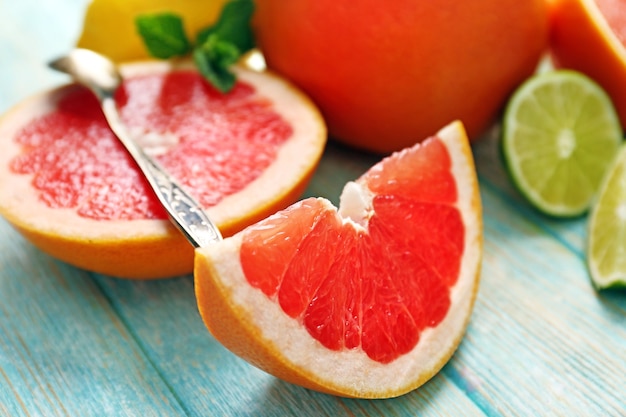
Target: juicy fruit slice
x=109 y=25
x=560 y=133
x=588 y=36
x=367 y=301
x=606 y=252
x=70 y=187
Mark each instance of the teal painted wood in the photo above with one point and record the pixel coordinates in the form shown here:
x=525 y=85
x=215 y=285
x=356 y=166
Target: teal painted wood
x=204 y=376
x=63 y=350
x=541 y=341
x=33 y=32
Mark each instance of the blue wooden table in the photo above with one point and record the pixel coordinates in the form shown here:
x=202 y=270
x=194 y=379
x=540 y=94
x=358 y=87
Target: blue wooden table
x=72 y=343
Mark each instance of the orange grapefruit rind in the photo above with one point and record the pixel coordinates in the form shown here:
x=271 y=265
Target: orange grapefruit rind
x=581 y=39
x=255 y=327
x=381 y=96
x=146 y=249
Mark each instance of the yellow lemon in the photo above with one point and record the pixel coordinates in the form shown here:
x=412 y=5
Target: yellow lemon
x=109 y=25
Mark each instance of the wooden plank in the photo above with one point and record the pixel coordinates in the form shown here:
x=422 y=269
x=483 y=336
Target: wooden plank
x=101 y=348
x=541 y=342
x=494 y=179
x=209 y=379
x=63 y=350
x=490 y=167
x=32 y=33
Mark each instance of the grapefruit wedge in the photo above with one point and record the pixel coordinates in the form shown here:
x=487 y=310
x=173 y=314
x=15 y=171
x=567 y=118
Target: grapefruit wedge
x=69 y=187
x=367 y=301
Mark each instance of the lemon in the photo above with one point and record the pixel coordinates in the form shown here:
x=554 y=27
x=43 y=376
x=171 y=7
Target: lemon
x=606 y=250
x=560 y=133
x=109 y=25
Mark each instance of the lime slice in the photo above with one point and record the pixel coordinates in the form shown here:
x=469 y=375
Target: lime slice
x=560 y=133
x=606 y=251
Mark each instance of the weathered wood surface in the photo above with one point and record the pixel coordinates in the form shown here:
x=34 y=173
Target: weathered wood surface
x=72 y=343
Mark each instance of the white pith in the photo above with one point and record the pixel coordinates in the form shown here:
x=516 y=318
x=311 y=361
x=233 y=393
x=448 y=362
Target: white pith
x=351 y=371
x=20 y=205
x=355 y=204
x=566 y=143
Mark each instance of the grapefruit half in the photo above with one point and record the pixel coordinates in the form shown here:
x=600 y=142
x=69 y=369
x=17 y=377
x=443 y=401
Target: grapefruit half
x=367 y=301
x=590 y=36
x=69 y=187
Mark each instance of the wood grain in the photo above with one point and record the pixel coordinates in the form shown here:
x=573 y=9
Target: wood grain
x=541 y=340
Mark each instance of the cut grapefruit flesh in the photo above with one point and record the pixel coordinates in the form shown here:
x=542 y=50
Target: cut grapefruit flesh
x=72 y=190
x=369 y=300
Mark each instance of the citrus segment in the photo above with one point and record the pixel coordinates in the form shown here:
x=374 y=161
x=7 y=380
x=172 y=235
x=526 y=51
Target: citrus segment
x=560 y=133
x=66 y=182
x=588 y=36
x=368 y=301
x=607 y=229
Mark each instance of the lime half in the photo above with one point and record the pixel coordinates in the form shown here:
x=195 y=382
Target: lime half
x=560 y=134
x=606 y=250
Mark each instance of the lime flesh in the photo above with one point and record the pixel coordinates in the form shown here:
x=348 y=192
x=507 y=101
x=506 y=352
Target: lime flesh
x=607 y=229
x=560 y=133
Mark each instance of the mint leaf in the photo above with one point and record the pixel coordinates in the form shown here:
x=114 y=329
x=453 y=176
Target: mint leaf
x=233 y=25
x=163 y=35
x=213 y=59
x=216 y=48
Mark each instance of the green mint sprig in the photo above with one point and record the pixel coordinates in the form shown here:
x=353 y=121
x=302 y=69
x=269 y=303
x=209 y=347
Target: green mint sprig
x=163 y=35
x=216 y=48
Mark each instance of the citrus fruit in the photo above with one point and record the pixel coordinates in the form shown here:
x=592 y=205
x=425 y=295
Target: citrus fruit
x=72 y=190
x=109 y=25
x=387 y=74
x=606 y=252
x=589 y=36
x=369 y=300
x=560 y=133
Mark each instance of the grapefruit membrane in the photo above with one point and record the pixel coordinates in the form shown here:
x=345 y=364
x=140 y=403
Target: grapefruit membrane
x=369 y=300
x=69 y=187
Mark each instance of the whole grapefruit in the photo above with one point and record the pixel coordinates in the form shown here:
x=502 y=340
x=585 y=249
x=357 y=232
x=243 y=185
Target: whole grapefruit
x=386 y=74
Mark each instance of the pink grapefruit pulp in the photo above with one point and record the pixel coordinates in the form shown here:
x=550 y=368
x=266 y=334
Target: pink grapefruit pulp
x=366 y=301
x=70 y=187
